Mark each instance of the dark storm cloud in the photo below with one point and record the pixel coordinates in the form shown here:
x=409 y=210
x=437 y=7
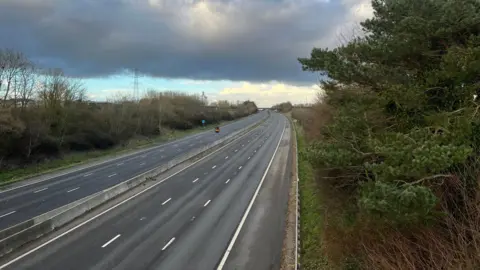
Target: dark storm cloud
x=237 y=40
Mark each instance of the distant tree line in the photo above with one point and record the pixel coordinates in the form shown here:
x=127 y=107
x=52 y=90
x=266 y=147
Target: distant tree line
x=44 y=114
x=283 y=107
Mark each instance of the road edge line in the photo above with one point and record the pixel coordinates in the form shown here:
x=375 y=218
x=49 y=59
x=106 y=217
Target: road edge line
x=247 y=211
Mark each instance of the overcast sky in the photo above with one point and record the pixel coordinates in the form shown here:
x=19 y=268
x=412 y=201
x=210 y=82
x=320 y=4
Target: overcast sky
x=251 y=44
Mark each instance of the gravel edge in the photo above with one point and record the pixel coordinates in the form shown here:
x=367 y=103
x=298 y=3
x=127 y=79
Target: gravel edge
x=290 y=249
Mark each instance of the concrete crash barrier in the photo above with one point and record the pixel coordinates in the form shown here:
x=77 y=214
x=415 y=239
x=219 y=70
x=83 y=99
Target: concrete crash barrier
x=34 y=228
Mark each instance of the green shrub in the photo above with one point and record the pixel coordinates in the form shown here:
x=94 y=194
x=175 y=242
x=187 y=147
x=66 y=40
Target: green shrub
x=398 y=204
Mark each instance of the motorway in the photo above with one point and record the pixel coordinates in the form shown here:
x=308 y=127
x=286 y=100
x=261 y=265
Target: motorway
x=188 y=220
x=21 y=203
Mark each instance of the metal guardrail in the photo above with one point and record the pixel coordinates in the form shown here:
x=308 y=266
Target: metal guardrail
x=297 y=205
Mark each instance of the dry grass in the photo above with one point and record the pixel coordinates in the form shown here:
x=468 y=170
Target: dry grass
x=453 y=242
x=349 y=242
x=313 y=119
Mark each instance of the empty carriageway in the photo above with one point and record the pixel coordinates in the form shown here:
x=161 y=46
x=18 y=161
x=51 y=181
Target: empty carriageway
x=185 y=221
x=37 y=196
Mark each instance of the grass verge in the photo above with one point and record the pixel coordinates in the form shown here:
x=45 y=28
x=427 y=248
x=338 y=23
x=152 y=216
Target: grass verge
x=73 y=159
x=310 y=211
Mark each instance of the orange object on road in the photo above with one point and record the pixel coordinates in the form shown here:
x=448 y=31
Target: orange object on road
x=217 y=129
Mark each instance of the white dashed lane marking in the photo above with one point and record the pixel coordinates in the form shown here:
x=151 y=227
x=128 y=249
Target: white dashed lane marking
x=165 y=202
x=73 y=189
x=7 y=214
x=111 y=240
x=169 y=243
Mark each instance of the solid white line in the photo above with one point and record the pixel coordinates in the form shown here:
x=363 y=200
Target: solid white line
x=240 y=167
x=169 y=243
x=166 y=201
x=111 y=240
x=115 y=206
x=206 y=203
x=7 y=214
x=240 y=225
x=226 y=182
x=87 y=174
x=73 y=189
x=214 y=166
x=196 y=179
x=40 y=190
x=112 y=175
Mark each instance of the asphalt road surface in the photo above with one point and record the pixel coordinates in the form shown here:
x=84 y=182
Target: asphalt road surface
x=185 y=222
x=260 y=241
x=24 y=202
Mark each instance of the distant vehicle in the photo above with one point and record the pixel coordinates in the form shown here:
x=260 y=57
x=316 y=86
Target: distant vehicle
x=217 y=130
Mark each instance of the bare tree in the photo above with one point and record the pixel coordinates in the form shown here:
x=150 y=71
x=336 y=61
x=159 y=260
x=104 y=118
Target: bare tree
x=27 y=85
x=11 y=65
x=57 y=95
x=58 y=90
